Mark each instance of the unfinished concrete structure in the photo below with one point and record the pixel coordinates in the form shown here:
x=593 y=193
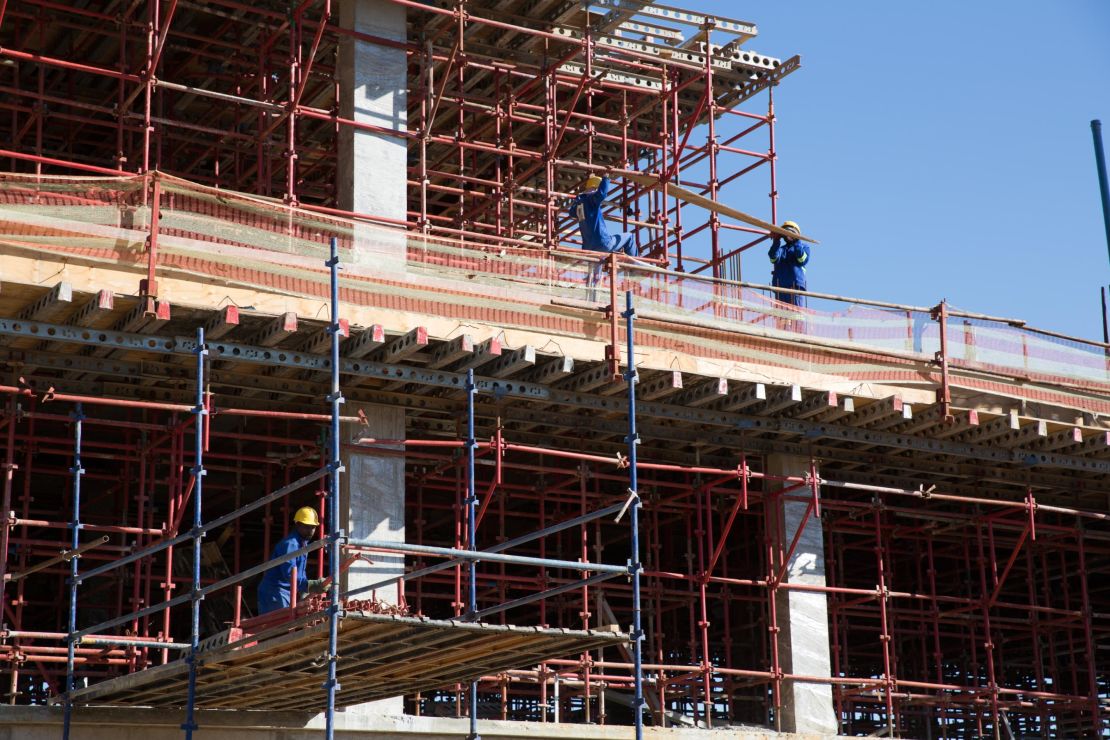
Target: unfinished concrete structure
x=857 y=518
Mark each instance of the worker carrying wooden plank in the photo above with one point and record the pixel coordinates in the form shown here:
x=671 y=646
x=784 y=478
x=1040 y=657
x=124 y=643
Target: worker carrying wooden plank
x=275 y=589
x=789 y=257
x=586 y=210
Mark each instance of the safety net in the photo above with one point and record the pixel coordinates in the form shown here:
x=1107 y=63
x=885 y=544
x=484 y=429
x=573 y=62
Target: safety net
x=251 y=241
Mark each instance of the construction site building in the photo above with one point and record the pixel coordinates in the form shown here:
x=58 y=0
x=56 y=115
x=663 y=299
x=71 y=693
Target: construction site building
x=259 y=256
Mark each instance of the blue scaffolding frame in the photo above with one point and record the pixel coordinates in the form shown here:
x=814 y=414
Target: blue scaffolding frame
x=335 y=539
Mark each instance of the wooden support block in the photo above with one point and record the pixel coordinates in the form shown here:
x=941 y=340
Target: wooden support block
x=847 y=407
x=276 y=331
x=780 y=399
x=1060 y=440
x=550 y=371
x=485 y=352
x=994 y=429
x=368 y=340
x=320 y=340
x=883 y=414
x=587 y=380
x=221 y=323
x=661 y=386
x=452 y=351
x=50 y=307
x=1097 y=443
x=401 y=347
x=752 y=395
x=705 y=393
x=515 y=361
x=818 y=403
x=1030 y=432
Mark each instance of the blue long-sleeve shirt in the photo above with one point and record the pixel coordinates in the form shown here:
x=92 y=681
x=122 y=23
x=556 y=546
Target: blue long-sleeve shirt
x=586 y=209
x=274 y=589
x=789 y=261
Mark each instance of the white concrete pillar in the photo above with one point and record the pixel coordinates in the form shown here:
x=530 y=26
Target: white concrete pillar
x=803 y=617
x=373 y=84
x=372 y=505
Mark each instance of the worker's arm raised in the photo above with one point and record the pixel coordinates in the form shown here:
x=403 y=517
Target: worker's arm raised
x=775 y=252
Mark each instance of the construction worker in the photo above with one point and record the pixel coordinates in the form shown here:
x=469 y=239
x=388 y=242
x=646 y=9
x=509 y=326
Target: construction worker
x=274 y=589
x=789 y=260
x=586 y=209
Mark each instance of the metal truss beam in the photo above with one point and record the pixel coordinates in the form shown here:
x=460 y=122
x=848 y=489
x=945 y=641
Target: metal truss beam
x=498 y=387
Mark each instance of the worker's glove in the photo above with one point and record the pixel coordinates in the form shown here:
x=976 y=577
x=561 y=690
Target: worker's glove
x=317 y=586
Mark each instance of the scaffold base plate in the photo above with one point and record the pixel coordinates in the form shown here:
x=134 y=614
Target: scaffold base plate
x=379 y=656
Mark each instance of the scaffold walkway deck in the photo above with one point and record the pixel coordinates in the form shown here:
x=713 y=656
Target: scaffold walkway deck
x=380 y=656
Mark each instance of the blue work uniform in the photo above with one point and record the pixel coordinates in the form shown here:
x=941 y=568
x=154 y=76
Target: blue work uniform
x=274 y=589
x=789 y=260
x=586 y=209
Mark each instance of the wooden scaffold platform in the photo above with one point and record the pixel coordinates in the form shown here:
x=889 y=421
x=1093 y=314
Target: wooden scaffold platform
x=380 y=656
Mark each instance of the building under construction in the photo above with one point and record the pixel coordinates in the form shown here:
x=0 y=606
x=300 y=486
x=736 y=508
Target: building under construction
x=266 y=255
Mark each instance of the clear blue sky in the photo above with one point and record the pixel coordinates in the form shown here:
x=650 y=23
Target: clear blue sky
x=942 y=149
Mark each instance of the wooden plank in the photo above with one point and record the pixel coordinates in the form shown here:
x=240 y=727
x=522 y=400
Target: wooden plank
x=380 y=656
x=677 y=191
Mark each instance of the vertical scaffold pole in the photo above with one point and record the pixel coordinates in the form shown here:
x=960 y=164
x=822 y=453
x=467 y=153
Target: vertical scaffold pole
x=74 y=542
x=199 y=413
x=471 y=535
x=335 y=467
x=634 y=566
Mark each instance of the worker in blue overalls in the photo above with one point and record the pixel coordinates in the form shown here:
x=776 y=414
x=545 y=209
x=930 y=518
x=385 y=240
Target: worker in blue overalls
x=789 y=258
x=586 y=210
x=274 y=591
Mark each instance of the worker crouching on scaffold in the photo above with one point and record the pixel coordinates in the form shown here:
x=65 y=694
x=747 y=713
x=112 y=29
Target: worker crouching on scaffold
x=275 y=589
x=586 y=210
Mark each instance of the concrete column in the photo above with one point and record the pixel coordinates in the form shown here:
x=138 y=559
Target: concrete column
x=373 y=90
x=803 y=617
x=372 y=504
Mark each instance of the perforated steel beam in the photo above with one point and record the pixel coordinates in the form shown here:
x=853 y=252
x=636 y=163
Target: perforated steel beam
x=517 y=389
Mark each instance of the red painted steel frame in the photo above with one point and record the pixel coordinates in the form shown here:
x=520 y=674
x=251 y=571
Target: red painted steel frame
x=897 y=627
x=268 y=124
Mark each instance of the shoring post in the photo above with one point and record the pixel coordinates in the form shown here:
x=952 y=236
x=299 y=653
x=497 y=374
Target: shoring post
x=335 y=467
x=634 y=566
x=612 y=353
x=148 y=287
x=8 y=468
x=471 y=538
x=1088 y=635
x=944 y=393
x=200 y=411
x=74 y=540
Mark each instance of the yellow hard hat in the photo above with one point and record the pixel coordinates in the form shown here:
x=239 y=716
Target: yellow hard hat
x=307 y=515
x=791 y=225
x=593 y=182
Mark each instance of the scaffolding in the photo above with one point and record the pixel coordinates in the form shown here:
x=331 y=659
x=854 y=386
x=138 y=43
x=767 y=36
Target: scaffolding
x=510 y=109
x=965 y=549
x=949 y=612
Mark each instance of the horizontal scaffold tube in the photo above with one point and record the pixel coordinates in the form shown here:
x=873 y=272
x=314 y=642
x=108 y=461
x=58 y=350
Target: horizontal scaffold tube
x=479 y=555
